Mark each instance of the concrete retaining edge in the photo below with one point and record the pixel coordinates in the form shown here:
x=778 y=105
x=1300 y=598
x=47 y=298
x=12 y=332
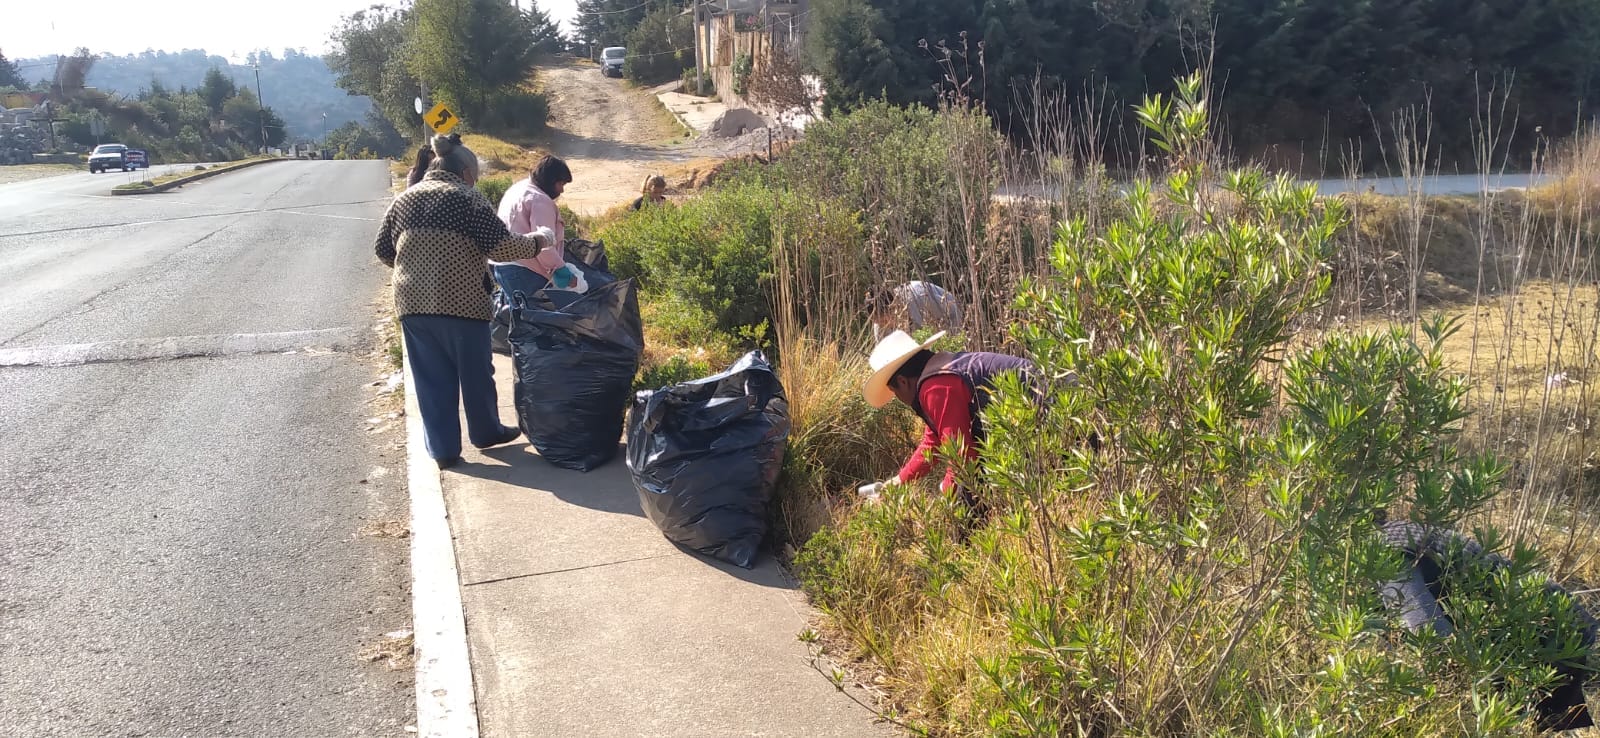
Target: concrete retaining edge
x=196 y=177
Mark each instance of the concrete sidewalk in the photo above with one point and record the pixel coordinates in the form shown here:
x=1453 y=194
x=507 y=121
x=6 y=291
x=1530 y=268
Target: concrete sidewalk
x=583 y=620
x=695 y=113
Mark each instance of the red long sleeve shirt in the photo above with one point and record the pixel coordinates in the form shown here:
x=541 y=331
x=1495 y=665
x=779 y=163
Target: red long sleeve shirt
x=947 y=405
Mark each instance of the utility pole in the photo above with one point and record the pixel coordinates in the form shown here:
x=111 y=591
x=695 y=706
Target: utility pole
x=699 y=64
x=50 y=120
x=261 y=108
x=706 y=31
x=423 y=108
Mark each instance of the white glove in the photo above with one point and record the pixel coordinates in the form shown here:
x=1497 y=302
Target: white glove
x=871 y=492
x=547 y=237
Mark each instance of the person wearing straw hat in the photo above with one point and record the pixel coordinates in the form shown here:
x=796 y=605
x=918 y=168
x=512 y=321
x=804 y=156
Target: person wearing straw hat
x=947 y=390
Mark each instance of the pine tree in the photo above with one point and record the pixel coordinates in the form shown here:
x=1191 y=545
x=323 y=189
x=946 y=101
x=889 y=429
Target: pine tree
x=469 y=50
x=9 y=75
x=217 y=88
x=609 y=22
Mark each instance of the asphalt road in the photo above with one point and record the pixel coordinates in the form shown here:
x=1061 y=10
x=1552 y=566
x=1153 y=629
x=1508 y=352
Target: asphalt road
x=187 y=468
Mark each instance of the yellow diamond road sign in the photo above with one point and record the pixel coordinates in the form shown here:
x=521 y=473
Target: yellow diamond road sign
x=440 y=119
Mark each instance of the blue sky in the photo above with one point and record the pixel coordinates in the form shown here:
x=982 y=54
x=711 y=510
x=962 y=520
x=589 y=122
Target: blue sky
x=33 y=29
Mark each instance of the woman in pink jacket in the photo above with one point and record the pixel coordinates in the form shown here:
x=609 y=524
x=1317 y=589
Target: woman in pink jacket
x=531 y=203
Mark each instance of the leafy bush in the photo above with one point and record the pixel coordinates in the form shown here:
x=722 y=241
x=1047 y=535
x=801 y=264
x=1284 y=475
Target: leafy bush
x=694 y=84
x=678 y=325
x=711 y=251
x=675 y=370
x=716 y=252
x=660 y=48
x=923 y=184
x=742 y=66
x=515 y=112
x=495 y=188
x=1214 y=568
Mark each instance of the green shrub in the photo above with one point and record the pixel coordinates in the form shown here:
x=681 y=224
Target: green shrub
x=495 y=187
x=712 y=251
x=690 y=80
x=742 y=66
x=921 y=183
x=715 y=252
x=895 y=165
x=1213 y=568
x=515 y=112
x=660 y=48
x=675 y=370
x=672 y=322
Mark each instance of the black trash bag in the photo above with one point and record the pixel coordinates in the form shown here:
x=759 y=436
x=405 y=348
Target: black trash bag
x=511 y=280
x=590 y=253
x=1417 y=595
x=705 y=457
x=575 y=365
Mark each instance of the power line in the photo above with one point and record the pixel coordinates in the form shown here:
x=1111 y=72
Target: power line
x=615 y=12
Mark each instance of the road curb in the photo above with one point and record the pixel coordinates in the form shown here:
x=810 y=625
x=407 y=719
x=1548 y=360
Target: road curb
x=196 y=177
x=446 y=704
x=675 y=116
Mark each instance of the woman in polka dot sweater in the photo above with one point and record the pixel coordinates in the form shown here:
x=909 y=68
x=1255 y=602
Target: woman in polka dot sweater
x=439 y=236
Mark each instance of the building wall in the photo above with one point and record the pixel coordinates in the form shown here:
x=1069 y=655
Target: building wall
x=782 y=24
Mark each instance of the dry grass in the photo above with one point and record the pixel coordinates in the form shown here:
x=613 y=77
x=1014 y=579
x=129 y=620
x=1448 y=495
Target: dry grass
x=1531 y=359
x=387 y=529
x=836 y=441
x=498 y=155
x=691 y=175
x=24 y=172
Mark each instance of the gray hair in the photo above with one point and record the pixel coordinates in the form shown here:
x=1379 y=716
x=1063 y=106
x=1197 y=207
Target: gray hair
x=453 y=157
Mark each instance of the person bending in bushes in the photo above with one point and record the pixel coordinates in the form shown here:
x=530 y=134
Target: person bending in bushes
x=947 y=390
x=913 y=306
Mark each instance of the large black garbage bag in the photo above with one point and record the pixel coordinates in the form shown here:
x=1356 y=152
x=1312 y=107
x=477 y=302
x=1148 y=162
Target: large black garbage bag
x=590 y=253
x=511 y=280
x=575 y=364
x=705 y=456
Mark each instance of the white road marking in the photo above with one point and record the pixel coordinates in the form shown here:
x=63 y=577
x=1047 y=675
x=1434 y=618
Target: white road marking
x=178 y=347
x=327 y=215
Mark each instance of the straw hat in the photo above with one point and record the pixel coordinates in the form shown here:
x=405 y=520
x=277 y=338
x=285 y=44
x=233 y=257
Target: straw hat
x=887 y=357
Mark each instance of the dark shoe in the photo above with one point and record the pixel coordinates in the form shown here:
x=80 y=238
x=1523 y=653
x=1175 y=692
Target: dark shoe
x=507 y=435
x=447 y=463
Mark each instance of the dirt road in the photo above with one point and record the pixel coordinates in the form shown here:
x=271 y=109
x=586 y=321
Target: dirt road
x=611 y=135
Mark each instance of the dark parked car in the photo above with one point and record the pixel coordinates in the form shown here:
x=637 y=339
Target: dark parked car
x=611 y=61
x=109 y=156
x=138 y=159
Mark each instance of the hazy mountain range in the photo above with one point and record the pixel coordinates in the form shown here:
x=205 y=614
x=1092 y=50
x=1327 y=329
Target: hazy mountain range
x=299 y=87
